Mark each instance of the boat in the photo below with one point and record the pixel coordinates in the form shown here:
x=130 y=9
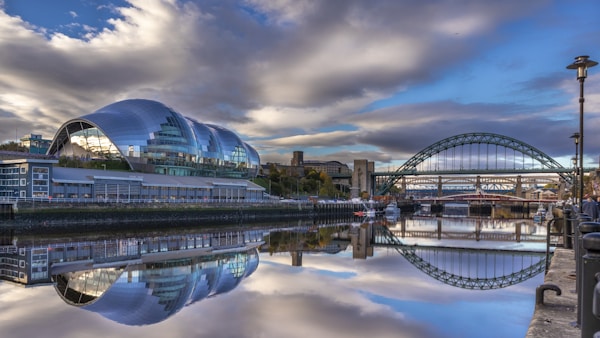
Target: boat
x=540 y=215
x=367 y=212
x=392 y=209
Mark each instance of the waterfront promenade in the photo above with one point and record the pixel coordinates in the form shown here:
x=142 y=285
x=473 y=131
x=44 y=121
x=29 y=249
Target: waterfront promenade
x=557 y=316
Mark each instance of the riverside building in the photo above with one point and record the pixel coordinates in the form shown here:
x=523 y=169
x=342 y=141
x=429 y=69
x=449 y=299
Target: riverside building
x=168 y=157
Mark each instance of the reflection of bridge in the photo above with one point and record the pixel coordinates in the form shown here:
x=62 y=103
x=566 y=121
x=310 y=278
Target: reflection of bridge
x=474 y=161
x=478 y=269
x=472 y=229
x=469 y=268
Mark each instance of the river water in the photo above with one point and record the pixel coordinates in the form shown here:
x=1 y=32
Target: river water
x=292 y=280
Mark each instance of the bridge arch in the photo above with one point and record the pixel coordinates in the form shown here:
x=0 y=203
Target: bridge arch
x=460 y=140
x=412 y=255
x=415 y=255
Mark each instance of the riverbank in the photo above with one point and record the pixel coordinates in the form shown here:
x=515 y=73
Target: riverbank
x=56 y=217
x=557 y=315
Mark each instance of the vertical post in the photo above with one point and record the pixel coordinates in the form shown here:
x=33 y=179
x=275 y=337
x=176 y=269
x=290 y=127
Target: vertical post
x=585 y=227
x=591 y=262
x=581 y=100
x=567 y=232
x=581 y=64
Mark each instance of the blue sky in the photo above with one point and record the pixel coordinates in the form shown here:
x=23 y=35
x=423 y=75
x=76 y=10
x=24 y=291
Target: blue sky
x=340 y=80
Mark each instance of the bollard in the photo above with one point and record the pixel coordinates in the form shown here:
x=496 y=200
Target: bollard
x=596 y=302
x=583 y=229
x=591 y=266
x=596 y=306
x=577 y=235
x=577 y=243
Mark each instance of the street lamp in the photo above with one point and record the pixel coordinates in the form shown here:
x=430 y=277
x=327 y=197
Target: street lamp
x=581 y=63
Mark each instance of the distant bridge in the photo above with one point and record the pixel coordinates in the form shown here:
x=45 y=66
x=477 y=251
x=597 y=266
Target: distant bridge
x=485 y=157
x=484 y=197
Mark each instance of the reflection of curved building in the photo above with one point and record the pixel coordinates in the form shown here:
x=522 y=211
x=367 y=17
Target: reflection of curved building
x=153 y=138
x=149 y=292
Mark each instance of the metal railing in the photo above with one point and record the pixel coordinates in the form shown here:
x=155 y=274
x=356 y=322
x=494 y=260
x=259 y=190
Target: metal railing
x=33 y=201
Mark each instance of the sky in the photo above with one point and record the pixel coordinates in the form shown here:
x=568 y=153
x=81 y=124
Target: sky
x=340 y=80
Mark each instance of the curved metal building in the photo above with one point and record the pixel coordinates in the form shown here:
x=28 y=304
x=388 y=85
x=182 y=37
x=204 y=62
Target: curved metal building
x=153 y=138
x=152 y=291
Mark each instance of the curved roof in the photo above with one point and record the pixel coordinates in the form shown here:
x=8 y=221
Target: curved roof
x=148 y=293
x=152 y=137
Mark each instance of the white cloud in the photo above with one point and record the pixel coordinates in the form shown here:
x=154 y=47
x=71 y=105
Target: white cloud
x=271 y=70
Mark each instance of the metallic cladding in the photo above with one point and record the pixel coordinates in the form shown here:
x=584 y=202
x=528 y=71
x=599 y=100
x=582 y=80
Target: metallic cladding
x=152 y=137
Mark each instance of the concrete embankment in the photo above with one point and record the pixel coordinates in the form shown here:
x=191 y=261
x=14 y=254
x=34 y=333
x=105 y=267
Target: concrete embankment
x=97 y=216
x=557 y=315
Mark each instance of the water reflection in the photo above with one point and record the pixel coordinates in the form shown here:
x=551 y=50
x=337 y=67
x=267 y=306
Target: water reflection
x=465 y=267
x=473 y=228
x=335 y=276
x=135 y=280
x=147 y=292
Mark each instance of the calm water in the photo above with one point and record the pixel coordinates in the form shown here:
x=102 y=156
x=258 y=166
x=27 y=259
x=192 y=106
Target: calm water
x=328 y=293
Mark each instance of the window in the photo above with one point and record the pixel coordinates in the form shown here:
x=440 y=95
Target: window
x=23 y=182
x=23 y=170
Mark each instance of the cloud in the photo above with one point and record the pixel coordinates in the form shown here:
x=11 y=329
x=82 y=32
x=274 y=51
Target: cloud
x=288 y=74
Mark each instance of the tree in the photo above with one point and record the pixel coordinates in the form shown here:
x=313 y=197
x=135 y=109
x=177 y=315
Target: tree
x=327 y=187
x=13 y=146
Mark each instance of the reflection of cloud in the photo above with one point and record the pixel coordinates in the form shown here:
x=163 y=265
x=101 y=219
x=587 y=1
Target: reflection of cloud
x=330 y=296
x=317 y=316
x=39 y=312
x=387 y=285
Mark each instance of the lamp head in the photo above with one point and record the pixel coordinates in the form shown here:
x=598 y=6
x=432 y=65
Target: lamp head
x=575 y=136
x=582 y=63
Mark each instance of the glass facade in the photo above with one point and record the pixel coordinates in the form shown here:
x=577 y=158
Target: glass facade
x=147 y=293
x=153 y=138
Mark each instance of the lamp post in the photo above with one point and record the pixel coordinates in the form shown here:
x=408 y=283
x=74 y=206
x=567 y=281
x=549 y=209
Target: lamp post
x=581 y=63
x=575 y=137
x=574 y=160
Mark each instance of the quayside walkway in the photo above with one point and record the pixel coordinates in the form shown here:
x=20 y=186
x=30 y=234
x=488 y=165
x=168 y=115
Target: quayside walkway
x=556 y=316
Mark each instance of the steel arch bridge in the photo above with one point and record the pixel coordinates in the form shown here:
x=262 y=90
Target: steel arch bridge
x=476 y=163
x=467 y=277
